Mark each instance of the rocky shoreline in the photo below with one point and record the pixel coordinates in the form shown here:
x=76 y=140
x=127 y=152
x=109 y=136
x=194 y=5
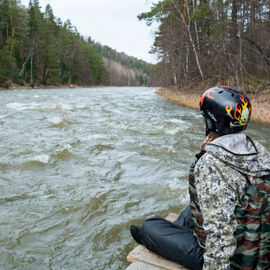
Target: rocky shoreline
x=260 y=103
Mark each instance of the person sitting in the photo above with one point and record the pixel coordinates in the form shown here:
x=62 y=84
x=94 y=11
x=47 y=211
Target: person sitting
x=227 y=223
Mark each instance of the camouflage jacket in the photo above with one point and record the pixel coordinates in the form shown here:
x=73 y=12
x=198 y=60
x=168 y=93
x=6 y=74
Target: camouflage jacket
x=220 y=183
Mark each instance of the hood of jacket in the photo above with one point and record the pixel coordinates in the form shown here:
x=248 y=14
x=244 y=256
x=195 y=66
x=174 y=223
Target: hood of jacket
x=241 y=153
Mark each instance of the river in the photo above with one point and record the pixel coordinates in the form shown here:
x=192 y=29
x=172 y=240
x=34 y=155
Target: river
x=79 y=166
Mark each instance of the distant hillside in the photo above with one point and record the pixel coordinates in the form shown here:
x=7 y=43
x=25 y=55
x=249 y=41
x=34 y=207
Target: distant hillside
x=38 y=49
x=124 y=69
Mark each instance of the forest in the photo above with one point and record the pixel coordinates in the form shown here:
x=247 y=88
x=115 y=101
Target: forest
x=38 y=49
x=222 y=41
x=225 y=41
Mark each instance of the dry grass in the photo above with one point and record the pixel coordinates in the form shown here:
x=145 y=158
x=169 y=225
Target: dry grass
x=183 y=98
x=261 y=108
x=260 y=103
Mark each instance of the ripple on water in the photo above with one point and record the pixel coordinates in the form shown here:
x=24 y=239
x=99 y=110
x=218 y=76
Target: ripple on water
x=34 y=161
x=63 y=152
x=42 y=107
x=13 y=198
x=176 y=121
x=174 y=131
x=23 y=106
x=37 y=160
x=97 y=149
x=59 y=122
x=101 y=137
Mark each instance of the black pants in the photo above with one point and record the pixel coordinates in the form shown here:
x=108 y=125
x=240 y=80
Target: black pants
x=174 y=241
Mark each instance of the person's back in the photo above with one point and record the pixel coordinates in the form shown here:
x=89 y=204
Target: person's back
x=222 y=177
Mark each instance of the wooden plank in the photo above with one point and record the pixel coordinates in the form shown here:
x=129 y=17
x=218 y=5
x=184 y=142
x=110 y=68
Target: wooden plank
x=172 y=217
x=142 y=266
x=140 y=253
x=144 y=259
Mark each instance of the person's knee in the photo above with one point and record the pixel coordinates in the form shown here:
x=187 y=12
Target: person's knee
x=151 y=223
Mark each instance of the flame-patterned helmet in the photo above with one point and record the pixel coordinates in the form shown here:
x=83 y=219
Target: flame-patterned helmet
x=225 y=110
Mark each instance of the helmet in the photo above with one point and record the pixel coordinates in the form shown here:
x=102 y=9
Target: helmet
x=225 y=110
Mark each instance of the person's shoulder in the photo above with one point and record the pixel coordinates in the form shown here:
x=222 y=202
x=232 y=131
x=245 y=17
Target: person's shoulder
x=210 y=164
x=206 y=159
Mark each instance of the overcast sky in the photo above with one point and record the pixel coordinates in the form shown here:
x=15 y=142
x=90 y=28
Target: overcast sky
x=110 y=22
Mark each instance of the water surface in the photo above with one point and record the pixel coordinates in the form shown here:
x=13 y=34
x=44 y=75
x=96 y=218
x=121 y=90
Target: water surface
x=79 y=166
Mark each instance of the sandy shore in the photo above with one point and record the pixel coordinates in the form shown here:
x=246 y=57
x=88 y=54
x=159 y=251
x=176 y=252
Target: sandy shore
x=260 y=103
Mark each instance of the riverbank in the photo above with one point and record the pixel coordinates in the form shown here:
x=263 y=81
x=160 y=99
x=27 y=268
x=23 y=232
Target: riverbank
x=190 y=98
x=28 y=86
x=13 y=86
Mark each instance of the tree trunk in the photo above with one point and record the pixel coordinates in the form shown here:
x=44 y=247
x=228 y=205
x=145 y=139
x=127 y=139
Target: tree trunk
x=234 y=28
x=184 y=14
x=187 y=26
x=195 y=26
x=45 y=76
x=252 y=36
x=31 y=78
